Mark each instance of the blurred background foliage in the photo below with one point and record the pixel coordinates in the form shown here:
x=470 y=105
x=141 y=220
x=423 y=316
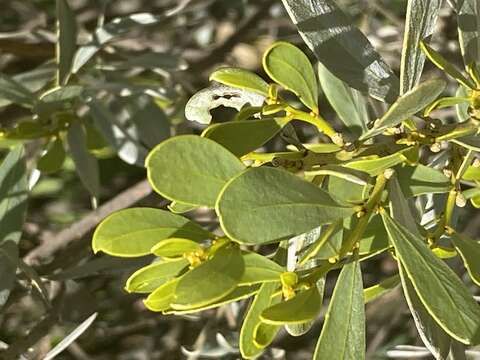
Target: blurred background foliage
x=142 y=76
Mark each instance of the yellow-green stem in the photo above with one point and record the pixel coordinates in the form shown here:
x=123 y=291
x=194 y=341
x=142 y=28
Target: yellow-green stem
x=314 y=119
x=362 y=223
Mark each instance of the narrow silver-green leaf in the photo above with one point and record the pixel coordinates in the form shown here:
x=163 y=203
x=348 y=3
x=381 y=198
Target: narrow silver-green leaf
x=85 y=164
x=446 y=66
x=67 y=40
x=15 y=92
x=117 y=135
x=191 y=169
x=468 y=13
x=378 y=165
x=13 y=206
x=116 y=27
x=53 y=158
x=265 y=204
x=70 y=338
x=419 y=25
x=470 y=252
x=442 y=293
x=343 y=332
x=433 y=336
x=399 y=206
x=408 y=105
x=420 y=179
x=13 y=195
x=348 y=103
x=342 y=47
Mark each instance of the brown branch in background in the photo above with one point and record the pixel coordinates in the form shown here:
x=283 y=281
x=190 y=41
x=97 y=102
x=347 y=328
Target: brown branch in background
x=56 y=242
x=42 y=50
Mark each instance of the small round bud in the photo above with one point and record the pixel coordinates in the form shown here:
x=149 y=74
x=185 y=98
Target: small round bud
x=332 y=260
x=337 y=139
x=388 y=173
x=360 y=213
x=460 y=200
x=447 y=172
x=435 y=148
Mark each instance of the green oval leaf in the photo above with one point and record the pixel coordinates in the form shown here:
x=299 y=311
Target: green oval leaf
x=242 y=137
x=470 y=252
x=265 y=204
x=160 y=299
x=240 y=78
x=211 y=280
x=67 y=40
x=191 y=169
x=149 y=278
x=303 y=307
x=438 y=287
x=343 y=332
x=408 y=105
x=299 y=329
x=175 y=247
x=133 y=232
x=290 y=67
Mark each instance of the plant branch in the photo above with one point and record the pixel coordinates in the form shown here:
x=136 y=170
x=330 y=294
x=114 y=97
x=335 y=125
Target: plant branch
x=55 y=243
